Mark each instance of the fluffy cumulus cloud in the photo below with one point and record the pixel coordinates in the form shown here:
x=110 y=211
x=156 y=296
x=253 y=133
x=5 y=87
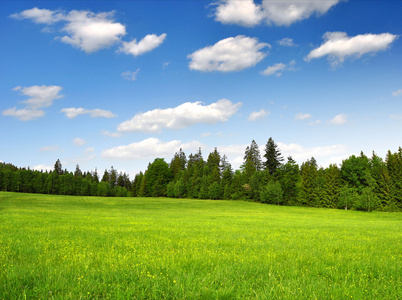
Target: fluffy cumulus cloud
x=230 y=54
x=85 y=30
x=278 y=69
x=73 y=112
x=256 y=115
x=148 y=148
x=182 y=116
x=91 y=32
x=280 y=13
x=39 y=97
x=284 y=13
x=148 y=43
x=337 y=46
x=245 y=12
x=339 y=119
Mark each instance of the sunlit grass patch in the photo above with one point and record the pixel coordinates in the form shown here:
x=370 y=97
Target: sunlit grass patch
x=145 y=248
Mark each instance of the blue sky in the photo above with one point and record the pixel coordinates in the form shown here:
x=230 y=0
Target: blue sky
x=119 y=83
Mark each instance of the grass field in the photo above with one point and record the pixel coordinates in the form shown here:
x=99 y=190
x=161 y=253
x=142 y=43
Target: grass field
x=59 y=247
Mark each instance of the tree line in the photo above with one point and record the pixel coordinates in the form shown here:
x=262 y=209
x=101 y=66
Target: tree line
x=360 y=182
x=62 y=182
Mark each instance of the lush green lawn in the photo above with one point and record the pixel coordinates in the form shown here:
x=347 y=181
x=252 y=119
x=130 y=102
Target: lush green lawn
x=145 y=248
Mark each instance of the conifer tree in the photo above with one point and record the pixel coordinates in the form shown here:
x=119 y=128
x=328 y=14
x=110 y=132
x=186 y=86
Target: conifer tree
x=273 y=156
x=289 y=177
x=308 y=186
x=252 y=159
x=58 y=169
x=332 y=187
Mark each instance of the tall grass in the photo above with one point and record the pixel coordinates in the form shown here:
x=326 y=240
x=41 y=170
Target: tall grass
x=60 y=247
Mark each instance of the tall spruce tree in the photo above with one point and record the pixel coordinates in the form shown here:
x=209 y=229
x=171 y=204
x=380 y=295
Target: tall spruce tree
x=252 y=159
x=58 y=169
x=308 y=195
x=289 y=178
x=332 y=187
x=178 y=163
x=273 y=156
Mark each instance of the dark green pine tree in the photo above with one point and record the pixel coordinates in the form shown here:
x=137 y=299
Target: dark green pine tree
x=308 y=195
x=289 y=177
x=213 y=163
x=58 y=169
x=332 y=187
x=251 y=160
x=394 y=166
x=178 y=163
x=273 y=156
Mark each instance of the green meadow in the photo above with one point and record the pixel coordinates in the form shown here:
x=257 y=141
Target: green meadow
x=66 y=247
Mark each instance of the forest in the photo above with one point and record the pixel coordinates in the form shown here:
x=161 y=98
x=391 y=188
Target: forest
x=360 y=182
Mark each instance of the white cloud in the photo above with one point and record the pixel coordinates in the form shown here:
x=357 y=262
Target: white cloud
x=43 y=167
x=85 y=30
x=73 y=112
x=284 y=13
x=255 y=115
x=230 y=54
x=234 y=153
x=323 y=154
x=302 y=116
x=397 y=93
x=24 y=114
x=245 y=12
x=149 y=148
x=111 y=134
x=281 y=13
x=130 y=75
x=148 y=43
x=79 y=142
x=278 y=69
x=91 y=32
x=275 y=69
x=338 y=46
x=182 y=116
x=39 y=16
x=339 y=119
x=286 y=42
x=40 y=96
